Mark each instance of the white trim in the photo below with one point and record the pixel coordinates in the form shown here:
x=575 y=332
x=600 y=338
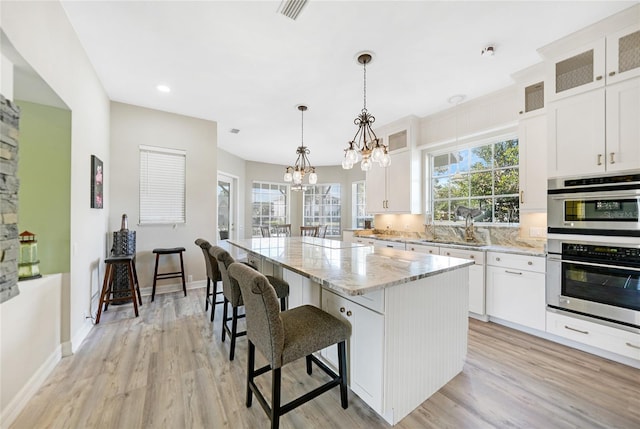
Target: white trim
x=163 y=150
x=17 y=404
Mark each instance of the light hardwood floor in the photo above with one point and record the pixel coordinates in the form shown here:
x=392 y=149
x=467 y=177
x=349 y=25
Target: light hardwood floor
x=169 y=369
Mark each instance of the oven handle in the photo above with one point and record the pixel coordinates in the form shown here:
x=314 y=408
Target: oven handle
x=591 y=195
x=554 y=258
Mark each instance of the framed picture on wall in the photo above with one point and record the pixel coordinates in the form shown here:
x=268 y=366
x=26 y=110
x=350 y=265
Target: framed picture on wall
x=97 y=182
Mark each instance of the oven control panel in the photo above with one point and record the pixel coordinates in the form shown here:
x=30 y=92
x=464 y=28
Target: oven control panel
x=609 y=253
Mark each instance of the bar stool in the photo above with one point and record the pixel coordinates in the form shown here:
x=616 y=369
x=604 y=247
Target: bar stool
x=107 y=291
x=169 y=275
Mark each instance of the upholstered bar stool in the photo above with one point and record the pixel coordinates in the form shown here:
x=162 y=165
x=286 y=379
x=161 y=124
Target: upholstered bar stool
x=106 y=296
x=168 y=275
x=213 y=276
x=233 y=296
x=283 y=337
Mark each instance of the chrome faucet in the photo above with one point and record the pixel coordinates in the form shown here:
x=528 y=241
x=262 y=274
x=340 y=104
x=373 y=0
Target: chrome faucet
x=469 y=232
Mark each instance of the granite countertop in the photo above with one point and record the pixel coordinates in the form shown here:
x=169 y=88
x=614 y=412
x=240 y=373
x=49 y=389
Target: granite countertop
x=349 y=268
x=519 y=250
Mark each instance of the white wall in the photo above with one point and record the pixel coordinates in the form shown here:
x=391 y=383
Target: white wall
x=132 y=126
x=6 y=78
x=41 y=33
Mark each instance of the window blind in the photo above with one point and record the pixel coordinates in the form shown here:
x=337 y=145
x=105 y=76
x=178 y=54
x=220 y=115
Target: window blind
x=162 y=185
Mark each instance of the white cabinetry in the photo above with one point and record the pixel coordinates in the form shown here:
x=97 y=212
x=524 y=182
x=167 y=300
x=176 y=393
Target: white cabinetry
x=613 y=340
x=516 y=289
x=603 y=61
x=396 y=188
x=390 y=244
x=421 y=248
x=578 y=143
x=362 y=239
x=532 y=142
x=365 y=347
x=595 y=93
x=347 y=236
x=476 y=277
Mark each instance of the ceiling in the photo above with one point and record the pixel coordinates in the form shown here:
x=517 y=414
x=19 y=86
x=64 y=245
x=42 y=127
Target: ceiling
x=245 y=66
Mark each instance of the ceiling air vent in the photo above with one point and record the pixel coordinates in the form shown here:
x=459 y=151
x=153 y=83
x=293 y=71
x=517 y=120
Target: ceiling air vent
x=291 y=8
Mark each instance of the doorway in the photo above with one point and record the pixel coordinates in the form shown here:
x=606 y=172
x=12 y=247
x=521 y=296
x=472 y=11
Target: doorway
x=227 y=207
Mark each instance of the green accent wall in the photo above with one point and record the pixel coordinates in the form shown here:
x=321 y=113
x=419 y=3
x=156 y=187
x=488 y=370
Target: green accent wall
x=44 y=170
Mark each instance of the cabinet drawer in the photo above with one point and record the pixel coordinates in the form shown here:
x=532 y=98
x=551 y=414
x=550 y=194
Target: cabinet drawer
x=390 y=244
x=363 y=240
x=603 y=337
x=421 y=248
x=372 y=300
x=475 y=255
x=516 y=262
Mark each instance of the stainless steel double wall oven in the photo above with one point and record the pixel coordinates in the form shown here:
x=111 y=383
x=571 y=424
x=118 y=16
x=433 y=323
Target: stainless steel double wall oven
x=593 y=262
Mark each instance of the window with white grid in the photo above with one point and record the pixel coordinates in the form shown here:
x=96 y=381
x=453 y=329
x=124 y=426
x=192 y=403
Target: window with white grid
x=270 y=206
x=321 y=206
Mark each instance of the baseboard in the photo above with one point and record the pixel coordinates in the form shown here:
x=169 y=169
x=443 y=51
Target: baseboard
x=79 y=337
x=174 y=287
x=17 y=404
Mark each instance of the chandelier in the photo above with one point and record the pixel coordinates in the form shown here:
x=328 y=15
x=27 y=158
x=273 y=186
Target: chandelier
x=302 y=166
x=365 y=146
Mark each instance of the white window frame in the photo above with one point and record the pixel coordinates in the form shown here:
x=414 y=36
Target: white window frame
x=255 y=230
x=468 y=146
x=322 y=217
x=355 y=219
x=162 y=186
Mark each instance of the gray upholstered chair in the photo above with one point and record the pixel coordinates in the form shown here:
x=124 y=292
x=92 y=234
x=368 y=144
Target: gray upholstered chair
x=213 y=276
x=232 y=295
x=283 y=337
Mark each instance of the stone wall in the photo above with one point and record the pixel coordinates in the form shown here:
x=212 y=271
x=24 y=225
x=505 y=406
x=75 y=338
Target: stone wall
x=9 y=245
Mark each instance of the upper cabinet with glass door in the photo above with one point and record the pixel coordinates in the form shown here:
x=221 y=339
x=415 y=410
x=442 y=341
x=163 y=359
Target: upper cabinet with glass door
x=602 y=62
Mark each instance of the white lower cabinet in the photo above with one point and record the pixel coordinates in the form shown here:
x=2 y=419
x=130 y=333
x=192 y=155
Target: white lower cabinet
x=476 y=276
x=301 y=290
x=421 y=248
x=365 y=347
x=593 y=334
x=390 y=244
x=516 y=289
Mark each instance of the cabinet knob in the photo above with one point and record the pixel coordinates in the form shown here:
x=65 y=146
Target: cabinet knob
x=349 y=313
x=497 y=259
x=529 y=263
x=448 y=253
x=598 y=77
x=612 y=161
x=472 y=257
x=521 y=197
x=413 y=248
x=613 y=73
x=520 y=112
x=430 y=251
x=342 y=309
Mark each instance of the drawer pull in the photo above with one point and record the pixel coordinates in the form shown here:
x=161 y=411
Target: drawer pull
x=497 y=259
x=633 y=345
x=576 y=330
x=448 y=254
x=349 y=313
x=342 y=309
x=513 y=272
x=529 y=263
x=598 y=77
x=612 y=161
x=613 y=73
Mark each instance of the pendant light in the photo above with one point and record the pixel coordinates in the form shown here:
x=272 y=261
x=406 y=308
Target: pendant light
x=365 y=145
x=302 y=165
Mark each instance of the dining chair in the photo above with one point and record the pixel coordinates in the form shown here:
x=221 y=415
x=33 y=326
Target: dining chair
x=213 y=276
x=233 y=296
x=286 y=336
x=309 y=231
x=283 y=230
x=265 y=231
x=322 y=231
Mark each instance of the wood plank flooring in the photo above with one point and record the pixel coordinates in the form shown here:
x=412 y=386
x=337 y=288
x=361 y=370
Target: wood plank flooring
x=169 y=369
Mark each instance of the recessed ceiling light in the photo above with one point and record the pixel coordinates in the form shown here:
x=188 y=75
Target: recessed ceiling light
x=163 y=88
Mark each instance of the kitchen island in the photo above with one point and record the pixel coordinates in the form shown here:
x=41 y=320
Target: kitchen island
x=407 y=312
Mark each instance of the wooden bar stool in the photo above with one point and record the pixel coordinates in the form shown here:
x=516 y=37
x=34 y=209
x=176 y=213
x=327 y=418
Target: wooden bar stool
x=161 y=276
x=107 y=292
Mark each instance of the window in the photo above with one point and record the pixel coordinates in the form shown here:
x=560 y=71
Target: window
x=162 y=185
x=482 y=178
x=321 y=206
x=358 y=209
x=270 y=203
